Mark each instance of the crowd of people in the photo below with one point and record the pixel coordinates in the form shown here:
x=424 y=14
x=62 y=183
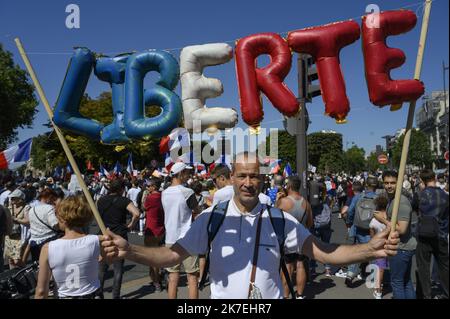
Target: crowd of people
x=200 y=224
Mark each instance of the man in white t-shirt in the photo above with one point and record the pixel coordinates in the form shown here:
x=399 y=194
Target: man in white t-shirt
x=133 y=193
x=221 y=177
x=180 y=208
x=233 y=246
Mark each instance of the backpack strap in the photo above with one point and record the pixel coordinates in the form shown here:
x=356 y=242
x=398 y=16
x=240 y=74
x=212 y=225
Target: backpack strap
x=278 y=222
x=215 y=221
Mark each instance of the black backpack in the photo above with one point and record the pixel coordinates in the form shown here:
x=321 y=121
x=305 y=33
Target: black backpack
x=433 y=203
x=277 y=220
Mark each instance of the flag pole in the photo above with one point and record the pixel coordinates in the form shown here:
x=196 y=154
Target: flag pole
x=409 y=124
x=61 y=136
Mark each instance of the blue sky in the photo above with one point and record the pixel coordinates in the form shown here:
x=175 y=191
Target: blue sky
x=113 y=27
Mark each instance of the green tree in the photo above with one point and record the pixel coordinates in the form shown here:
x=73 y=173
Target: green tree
x=325 y=151
x=419 y=150
x=286 y=149
x=354 y=160
x=47 y=151
x=17 y=100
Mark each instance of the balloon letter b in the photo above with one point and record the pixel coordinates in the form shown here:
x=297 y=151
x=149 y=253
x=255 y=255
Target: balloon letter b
x=136 y=124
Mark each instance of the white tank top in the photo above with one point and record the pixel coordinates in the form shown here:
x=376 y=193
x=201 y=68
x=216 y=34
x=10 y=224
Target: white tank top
x=74 y=264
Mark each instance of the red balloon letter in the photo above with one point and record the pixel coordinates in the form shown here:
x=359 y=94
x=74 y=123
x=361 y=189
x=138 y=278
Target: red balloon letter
x=324 y=44
x=269 y=79
x=380 y=59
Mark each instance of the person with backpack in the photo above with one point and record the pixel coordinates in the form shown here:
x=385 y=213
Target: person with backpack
x=43 y=221
x=322 y=230
x=361 y=210
x=432 y=233
x=293 y=203
x=246 y=241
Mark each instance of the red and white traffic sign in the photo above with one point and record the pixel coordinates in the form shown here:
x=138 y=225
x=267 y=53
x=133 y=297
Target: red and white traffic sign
x=382 y=159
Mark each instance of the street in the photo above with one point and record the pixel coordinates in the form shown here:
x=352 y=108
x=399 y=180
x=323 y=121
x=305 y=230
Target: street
x=136 y=280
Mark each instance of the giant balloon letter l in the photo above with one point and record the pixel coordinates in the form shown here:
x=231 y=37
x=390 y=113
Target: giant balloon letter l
x=196 y=88
x=324 y=44
x=380 y=59
x=268 y=79
x=136 y=124
x=112 y=70
x=67 y=114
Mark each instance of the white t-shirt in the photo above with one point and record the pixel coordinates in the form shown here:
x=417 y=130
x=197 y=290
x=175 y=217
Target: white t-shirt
x=223 y=194
x=227 y=193
x=74 y=265
x=178 y=202
x=264 y=199
x=232 y=251
x=39 y=231
x=375 y=224
x=4 y=196
x=132 y=195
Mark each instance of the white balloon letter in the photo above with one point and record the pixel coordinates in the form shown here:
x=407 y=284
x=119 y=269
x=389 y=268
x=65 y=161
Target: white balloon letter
x=196 y=88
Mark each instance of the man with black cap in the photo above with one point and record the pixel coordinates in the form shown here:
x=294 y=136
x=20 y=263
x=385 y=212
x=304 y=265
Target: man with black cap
x=180 y=209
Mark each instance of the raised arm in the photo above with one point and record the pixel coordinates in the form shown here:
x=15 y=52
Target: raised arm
x=114 y=246
x=381 y=245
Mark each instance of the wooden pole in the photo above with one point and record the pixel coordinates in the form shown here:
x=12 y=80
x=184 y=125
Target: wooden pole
x=412 y=107
x=61 y=137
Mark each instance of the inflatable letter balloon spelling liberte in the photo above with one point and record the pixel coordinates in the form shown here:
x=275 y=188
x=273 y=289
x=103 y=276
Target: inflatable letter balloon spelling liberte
x=112 y=70
x=380 y=59
x=137 y=125
x=324 y=43
x=67 y=114
x=196 y=88
x=269 y=79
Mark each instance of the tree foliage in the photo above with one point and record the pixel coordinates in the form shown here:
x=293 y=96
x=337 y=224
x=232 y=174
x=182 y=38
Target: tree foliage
x=419 y=150
x=325 y=151
x=17 y=100
x=354 y=160
x=48 y=153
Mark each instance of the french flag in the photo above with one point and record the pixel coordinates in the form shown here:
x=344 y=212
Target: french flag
x=103 y=171
x=287 y=170
x=274 y=166
x=16 y=154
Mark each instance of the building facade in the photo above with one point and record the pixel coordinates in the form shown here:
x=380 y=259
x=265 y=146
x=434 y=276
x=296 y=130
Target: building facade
x=432 y=119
